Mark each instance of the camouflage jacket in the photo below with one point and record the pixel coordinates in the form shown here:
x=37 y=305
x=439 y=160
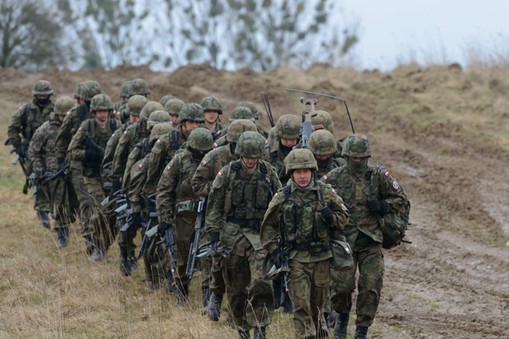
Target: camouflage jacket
x=140 y=151
x=218 y=131
x=276 y=157
x=70 y=126
x=293 y=221
x=355 y=189
x=134 y=186
x=161 y=154
x=237 y=203
x=211 y=164
x=42 y=147
x=26 y=120
x=90 y=132
x=132 y=135
x=111 y=146
x=325 y=167
x=175 y=194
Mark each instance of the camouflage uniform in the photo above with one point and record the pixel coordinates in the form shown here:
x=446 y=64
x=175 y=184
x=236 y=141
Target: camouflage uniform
x=98 y=228
x=24 y=122
x=176 y=201
x=119 y=108
x=173 y=107
x=44 y=162
x=323 y=144
x=236 y=205
x=369 y=193
x=295 y=224
x=201 y=182
x=211 y=104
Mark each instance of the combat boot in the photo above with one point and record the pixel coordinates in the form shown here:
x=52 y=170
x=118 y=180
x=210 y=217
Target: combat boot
x=63 y=237
x=182 y=295
x=98 y=253
x=131 y=259
x=341 y=326
x=125 y=267
x=287 y=303
x=214 y=306
x=43 y=219
x=260 y=332
x=361 y=332
x=243 y=334
x=170 y=282
x=205 y=295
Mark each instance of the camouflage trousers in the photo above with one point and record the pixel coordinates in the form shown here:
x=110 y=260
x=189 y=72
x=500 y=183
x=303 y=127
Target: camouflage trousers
x=215 y=278
x=65 y=204
x=249 y=293
x=42 y=199
x=96 y=222
x=309 y=285
x=370 y=263
x=183 y=231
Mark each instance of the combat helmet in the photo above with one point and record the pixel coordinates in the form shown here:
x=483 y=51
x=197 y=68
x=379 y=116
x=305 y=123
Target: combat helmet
x=173 y=106
x=212 y=104
x=158 y=117
x=191 y=112
x=63 y=105
x=356 y=145
x=251 y=106
x=78 y=89
x=165 y=99
x=101 y=102
x=250 y=145
x=241 y=112
x=42 y=87
x=200 y=139
x=150 y=107
x=237 y=127
x=135 y=104
x=140 y=87
x=300 y=158
x=125 y=89
x=324 y=119
x=89 y=90
x=322 y=142
x=288 y=126
x=160 y=130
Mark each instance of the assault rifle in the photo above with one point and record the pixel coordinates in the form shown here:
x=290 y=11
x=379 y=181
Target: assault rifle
x=170 y=246
x=266 y=103
x=198 y=228
x=147 y=235
x=307 y=126
x=22 y=162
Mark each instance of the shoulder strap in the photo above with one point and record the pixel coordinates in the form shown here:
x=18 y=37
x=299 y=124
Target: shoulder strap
x=287 y=190
x=91 y=128
x=173 y=139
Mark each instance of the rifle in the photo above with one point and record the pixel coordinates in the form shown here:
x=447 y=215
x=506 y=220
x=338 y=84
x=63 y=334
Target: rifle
x=170 y=244
x=198 y=228
x=266 y=103
x=149 y=233
x=22 y=162
x=327 y=96
x=307 y=126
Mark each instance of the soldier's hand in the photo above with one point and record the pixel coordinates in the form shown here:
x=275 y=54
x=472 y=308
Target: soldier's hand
x=138 y=220
x=214 y=240
x=378 y=206
x=327 y=214
x=115 y=186
x=162 y=227
x=61 y=163
x=277 y=257
x=20 y=149
x=93 y=156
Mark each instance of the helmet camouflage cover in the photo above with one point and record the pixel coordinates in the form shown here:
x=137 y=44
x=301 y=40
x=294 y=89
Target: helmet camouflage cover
x=63 y=105
x=212 y=104
x=288 y=126
x=165 y=99
x=251 y=106
x=241 y=112
x=42 y=87
x=150 y=107
x=140 y=87
x=125 y=89
x=237 y=127
x=322 y=142
x=191 y=112
x=300 y=158
x=173 y=106
x=135 y=104
x=89 y=90
x=101 y=102
x=200 y=139
x=158 y=117
x=250 y=145
x=324 y=119
x=356 y=145
x=78 y=89
x=160 y=130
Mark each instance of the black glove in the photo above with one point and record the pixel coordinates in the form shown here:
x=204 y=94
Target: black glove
x=162 y=227
x=93 y=156
x=115 y=186
x=214 y=240
x=82 y=110
x=327 y=214
x=61 y=163
x=138 y=220
x=278 y=257
x=378 y=206
x=20 y=149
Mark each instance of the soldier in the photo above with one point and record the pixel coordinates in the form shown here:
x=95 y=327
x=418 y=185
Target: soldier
x=239 y=112
x=287 y=134
x=252 y=107
x=369 y=193
x=140 y=87
x=322 y=120
x=124 y=97
x=212 y=110
x=212 y=278
x=87 y=150
x=191 y=116
x=173 y=107
x=176 y=202
x=238 y=199
x=84 y=93
x=44 y=166
x=22 y=127
x=323 y=145
x=165 y=99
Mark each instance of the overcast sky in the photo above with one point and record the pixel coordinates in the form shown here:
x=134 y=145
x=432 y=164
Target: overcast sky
x=437 y=31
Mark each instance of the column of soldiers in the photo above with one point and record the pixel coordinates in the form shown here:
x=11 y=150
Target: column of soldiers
x=272 y=205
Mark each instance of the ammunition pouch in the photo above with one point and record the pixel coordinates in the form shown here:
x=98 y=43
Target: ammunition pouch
x=314 y=248
x=188 y=205
x=342 y=256
x=246 y=223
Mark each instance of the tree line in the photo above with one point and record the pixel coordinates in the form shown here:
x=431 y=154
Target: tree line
x=230 y=34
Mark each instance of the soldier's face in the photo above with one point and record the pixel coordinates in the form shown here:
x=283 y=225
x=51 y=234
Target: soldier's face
x=134 y=118
x=302 y=177
x=211 y=116
x=102 y=116
x=323 y=157
x=288 y=142
x=250 y=163
x=174 y=119
x=190 y=125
